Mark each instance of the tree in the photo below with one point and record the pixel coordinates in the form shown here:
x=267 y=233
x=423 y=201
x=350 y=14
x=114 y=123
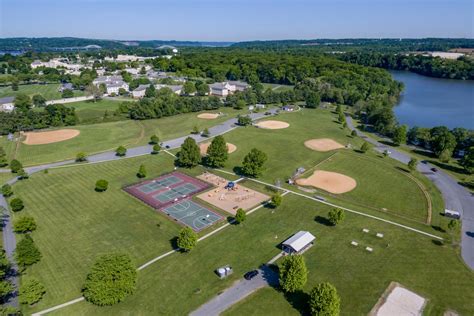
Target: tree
x=468 y=160
x=202 y=88
x=141 y=171
x=92 y=90
x=122 y=91
x=442 y=139
x=412 y=164
x=244 y=120
x=453 y=227
x=365 y=147
x=313 y=99
x=154 y=140
x=15 y=85
x=217 y=153
x=253 y=162
x=67 y=93
x=187 y=239
x=150 y=92
x=206 y=132
x=156 y=149
x=324 y=300
x=16 y=204
x=24 y=224
x=39 y=101
x=400 y=135
x=22 y=102
x=121 y=151
x=190 y=154
x=112 y=278
x=240 y=216
x=31 y=291
x=445 y=155
x=341 y=118
x=353 y=133
x=336 y=215
x=240 y=104
x=15 y=166
x=101 y=185
x=3 y=157
x=26 y=252
x=7 y=190
x=189 y=88
x=81 y=157
x=293 y=273
x=22 y=174
x=5 y=289
x=276 y=200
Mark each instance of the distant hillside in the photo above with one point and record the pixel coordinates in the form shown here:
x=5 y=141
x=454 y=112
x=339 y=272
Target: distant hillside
x=72 y=43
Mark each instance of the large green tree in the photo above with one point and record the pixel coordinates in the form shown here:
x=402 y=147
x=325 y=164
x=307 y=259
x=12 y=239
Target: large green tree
x=293 y=273
x=24 y=224
x=336 y=215
x=112 y=278
x=217 y=153
x=190 y=154
x=468 y=160
x=400 y=135
x=187 y=239
x=253 y=162
x=324 y=300
x=442 y=140
x=26 y=252
x=31 y=291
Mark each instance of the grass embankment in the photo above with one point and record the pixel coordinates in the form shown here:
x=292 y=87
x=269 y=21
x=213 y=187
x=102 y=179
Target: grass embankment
x=48 y=91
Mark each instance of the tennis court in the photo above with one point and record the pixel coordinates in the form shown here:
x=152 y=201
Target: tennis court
x=166 y=189
x=192 y=214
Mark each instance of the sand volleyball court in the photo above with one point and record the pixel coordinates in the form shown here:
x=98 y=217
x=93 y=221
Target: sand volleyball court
x=272 y=124
x=322 y=144
x=208 y=116
x=42 y=138
x=204 y=146
x=331 y=182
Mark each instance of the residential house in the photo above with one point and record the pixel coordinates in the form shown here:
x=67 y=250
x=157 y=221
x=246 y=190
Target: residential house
x=223 y=89
x=139 y=92
x=112 y=83
x=177 y=89
x=6 y=104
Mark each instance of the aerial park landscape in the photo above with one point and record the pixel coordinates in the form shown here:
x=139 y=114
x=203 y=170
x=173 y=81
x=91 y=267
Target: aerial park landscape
x=279 y=177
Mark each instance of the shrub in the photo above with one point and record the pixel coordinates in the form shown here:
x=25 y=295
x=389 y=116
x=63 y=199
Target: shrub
x=365 y=147
x=24 y=224
x=141 y=171
x=112 y=278
x=121 y=151
x=206 y=132
x=15 y=166
x=22 y=174
x=293 y=273
x=412 y=164
x=31 y=291
x=16 y=204
x=81 y=157
x=101 y=185
x=154 y=140
x=240 y=216
x=336 y=215
x=187 y=239
x=7 y=190
x=156 y=149
x=244 y=120
x=5 y=288
x=276 y=200
x=26 y=252
x=324 y=300
x=353 y=133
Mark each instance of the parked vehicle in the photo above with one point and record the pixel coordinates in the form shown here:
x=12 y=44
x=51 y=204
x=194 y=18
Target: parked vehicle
x=250 y=275
x=452 y=214
x=434 y=169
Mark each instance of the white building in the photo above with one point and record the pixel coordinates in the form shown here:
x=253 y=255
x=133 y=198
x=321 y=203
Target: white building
x=6 y=104
x=223 y=89
x=298 y=243
x=139 y=92
x=112 y=83
x=177 y=89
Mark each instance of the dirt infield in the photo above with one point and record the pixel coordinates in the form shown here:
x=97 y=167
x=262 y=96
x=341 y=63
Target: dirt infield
x=331 y=182
x=208 y=116
x=42 y=138
x=204 y=146
x=397 y=300
x=272 y=124
x=322 y=144
x=230 y=200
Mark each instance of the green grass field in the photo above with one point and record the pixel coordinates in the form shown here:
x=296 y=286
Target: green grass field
x=277 y=87
x=90 y=112
x=108 y=136
x=359 y=277
x=49 y=91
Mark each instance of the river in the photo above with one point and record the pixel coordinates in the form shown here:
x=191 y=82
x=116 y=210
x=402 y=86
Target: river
x=428 y=102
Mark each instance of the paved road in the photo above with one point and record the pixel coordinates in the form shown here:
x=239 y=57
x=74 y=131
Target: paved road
x=455 y=196
x=9 y=241
x=237 y=292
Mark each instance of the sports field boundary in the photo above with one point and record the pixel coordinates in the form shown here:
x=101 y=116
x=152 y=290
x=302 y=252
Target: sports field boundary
x=152 y=261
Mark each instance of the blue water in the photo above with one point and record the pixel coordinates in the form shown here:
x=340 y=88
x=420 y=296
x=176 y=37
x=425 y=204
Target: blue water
x=428 y=102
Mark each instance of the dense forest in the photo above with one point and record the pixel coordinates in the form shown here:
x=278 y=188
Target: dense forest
x=463 y=68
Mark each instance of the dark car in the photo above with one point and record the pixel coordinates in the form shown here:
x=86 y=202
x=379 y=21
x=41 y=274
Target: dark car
x=268 y=113
x=167 y=146
x=250 y=275
x=434 y=169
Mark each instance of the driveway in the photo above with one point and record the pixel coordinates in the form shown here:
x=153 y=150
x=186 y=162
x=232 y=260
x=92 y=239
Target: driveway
x=455 y=196
x=237 y=292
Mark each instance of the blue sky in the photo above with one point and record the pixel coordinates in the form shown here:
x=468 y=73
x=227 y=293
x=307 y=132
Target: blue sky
x=236 y=20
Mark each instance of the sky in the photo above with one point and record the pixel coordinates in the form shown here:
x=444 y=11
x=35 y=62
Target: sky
x=236 y=20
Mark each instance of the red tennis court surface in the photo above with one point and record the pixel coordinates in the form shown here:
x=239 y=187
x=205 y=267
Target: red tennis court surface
x=167 y=189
